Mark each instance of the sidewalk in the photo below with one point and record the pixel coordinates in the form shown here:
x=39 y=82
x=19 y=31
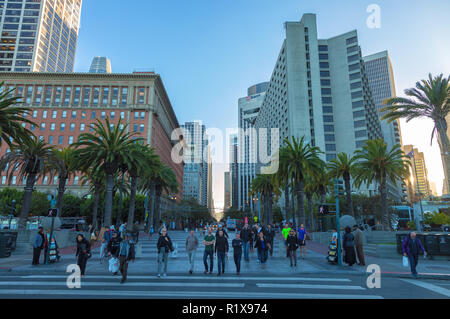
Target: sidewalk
x=389 y=266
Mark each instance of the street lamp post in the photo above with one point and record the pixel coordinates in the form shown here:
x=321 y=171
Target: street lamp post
x=52 y=213
x=119 y=210
x=11 y=215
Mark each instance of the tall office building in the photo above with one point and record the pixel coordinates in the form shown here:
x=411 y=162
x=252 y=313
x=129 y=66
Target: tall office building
x=39 y=35
x=319 y=90
x=419 y=174
x=100 y=64
x=380 y=75
x=197 y=159
x=65 y=105
x=249 y=107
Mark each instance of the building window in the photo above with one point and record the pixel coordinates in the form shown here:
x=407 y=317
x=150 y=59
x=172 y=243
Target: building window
x=35 y=114
x=76 y=99
x=124 y=96
x=103 y=115
x=62 y=127
x=93 y=115
x=328 y=118
x=74 y=114
x=86 y=96
x=122 y=115
x=83 y=115
x=64 y=114
x=359 y=114
x=42 y=126
x=72 y=127
x=75 y=180
x=115 y=96
x=70 y=140
x=135 y=127
x=361 y=123
x=328 y=128
x=113 y=115
x=44 y=114
x=359 y=134
x=96 y=95
x=141 y=128
x=50 y=139
x=54 y=114
x=136 y=115
x=329 y=138
x=352 y=40
x=52 y=126
x=105 y=96
x=141 y=94
x=82 y=125
x=330 y=147
x=60 y=139
x=67 y=94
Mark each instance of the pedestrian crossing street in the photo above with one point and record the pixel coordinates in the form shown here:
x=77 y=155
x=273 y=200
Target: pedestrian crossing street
x=182 y=287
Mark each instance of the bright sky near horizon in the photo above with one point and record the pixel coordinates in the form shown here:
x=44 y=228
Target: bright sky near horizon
x=208 y=52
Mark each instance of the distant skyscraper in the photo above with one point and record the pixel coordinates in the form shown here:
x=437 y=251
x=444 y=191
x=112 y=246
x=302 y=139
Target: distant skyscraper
x=381 y=82
x=39 y=36
x=249 y=107
x=227 y=188
x=197 y=168
x=419 y=174
x=234 y=185
x=100 y=64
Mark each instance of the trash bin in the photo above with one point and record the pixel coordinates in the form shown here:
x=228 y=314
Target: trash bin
x=431 y=244
x=444 y=244
x=400 y=239
x=6 y=240
x=13 y=234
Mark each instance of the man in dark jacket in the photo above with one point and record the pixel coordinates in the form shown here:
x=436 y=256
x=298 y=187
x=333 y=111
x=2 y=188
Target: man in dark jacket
x=237 y=250
x=411 y=246
x=114 y=245
x=38 y=244
x=220 y=228
x=164 y=246
x=247 y=240
x=126 y=253
x=221 y=250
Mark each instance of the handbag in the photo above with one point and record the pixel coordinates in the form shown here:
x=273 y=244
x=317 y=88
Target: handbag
x=405 y=261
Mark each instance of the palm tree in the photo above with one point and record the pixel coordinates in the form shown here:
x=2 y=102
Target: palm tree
x=141 y=158
x=301 y=160
x=283 y=178
x=310 y=190
x=376 y=163
x=165 y=181
x=343 y=167
x=266 y=185
x=65 y=168
x=107 y=147
x=11 y=117
x=28 y=159
x=431 y=99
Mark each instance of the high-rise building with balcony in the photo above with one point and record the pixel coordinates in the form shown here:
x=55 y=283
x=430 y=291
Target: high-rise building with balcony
x=100 y=64
x=319 y=89
x=39 y=35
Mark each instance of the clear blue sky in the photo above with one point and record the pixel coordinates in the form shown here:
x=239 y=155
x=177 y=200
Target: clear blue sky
x=209 y=51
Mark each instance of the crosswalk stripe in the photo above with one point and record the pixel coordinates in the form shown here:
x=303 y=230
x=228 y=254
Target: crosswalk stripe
x=182 y=294
x=299 y=279
x=431 y=287
x=301 y=286
x=133 y=284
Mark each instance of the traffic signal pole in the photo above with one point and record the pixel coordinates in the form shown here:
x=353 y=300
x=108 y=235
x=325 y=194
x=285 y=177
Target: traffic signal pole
x=338 y=239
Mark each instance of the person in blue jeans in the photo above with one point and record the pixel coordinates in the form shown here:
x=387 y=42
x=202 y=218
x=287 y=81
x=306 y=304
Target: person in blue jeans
x=221 y=250
x=302 y=240
x=263 y=248
x=209 y=242
x=411 y=246
x=247 y=241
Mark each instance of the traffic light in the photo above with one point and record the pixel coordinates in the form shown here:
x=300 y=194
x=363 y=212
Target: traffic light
x=52 y=212
x=323 y=210
x=338 y=187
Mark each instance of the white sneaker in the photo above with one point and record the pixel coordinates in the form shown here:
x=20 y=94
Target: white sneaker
x=164 y=275
x=159 y=275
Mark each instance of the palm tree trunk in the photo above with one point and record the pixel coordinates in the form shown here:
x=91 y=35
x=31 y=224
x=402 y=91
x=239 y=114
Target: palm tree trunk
x=384 y=203
x=132 y=203
x=152 y=206
x=61 y=190
x=286 y=200
x=310 y=210
x=301 y=203
x=445 y=151
x=31 y=179
x=109 y=199
x=158 y=202
x=348 y=191
x=293 y=207
x=269 y=209
x=95 y=206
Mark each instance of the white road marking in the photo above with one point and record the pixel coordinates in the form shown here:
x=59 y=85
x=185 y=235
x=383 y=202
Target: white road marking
x=300 y=286
x=184 y=294
x=428 y=286
x=131 y=284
